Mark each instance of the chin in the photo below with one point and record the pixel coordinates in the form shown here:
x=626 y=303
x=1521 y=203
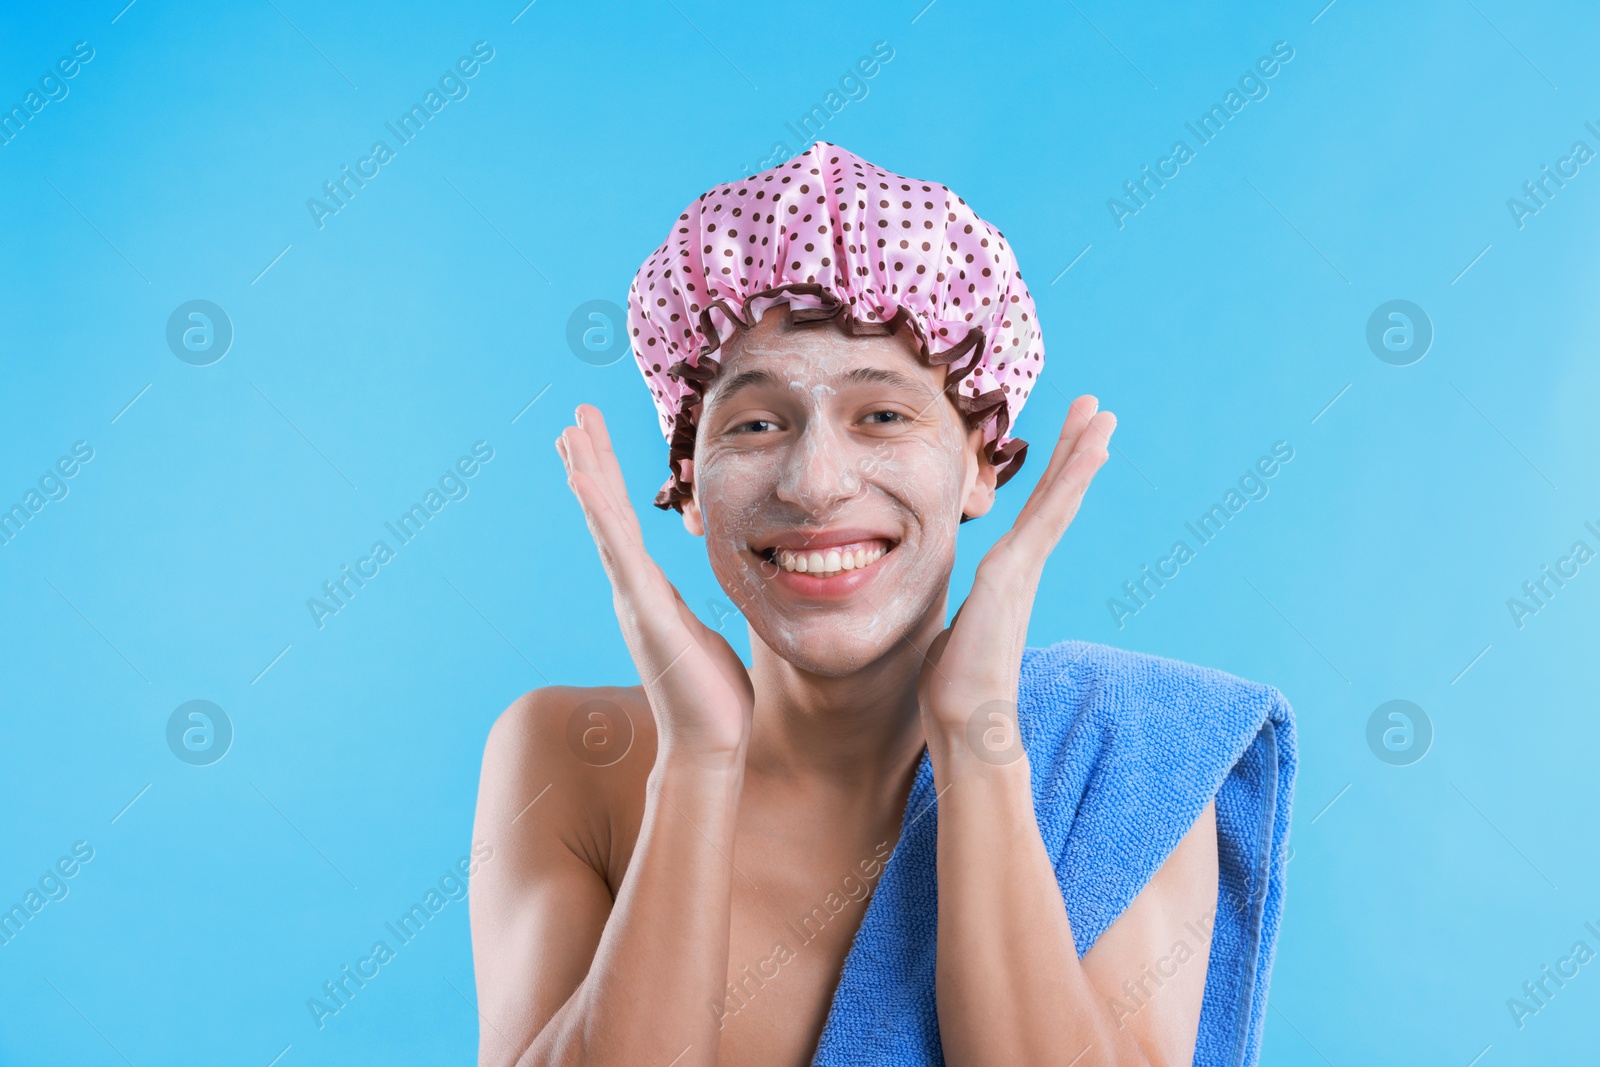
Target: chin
x=834 y=640
x=827 y=654
x=833 y=600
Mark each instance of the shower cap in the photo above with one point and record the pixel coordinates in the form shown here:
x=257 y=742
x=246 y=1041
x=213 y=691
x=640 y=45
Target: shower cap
x=839 y=239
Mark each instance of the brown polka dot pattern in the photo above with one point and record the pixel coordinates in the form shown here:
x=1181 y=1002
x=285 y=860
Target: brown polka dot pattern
x=836 y=238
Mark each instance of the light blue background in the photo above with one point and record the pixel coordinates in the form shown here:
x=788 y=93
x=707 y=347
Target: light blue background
x=429 y=312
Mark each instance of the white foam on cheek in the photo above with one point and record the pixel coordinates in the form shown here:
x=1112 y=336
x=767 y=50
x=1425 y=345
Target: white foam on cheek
x=727 y=518
x=928 y=476
x=913 y=483
x=731 y=497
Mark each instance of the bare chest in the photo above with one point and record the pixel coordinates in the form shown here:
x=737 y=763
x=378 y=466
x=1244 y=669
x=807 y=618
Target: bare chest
x=798 y=899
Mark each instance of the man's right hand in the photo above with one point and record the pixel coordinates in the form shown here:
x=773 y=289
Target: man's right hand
x=699 y=690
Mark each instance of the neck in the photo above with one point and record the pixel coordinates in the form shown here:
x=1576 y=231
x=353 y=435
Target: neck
x=861 y=729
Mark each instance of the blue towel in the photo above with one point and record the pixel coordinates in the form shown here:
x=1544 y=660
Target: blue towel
x=1125 y=750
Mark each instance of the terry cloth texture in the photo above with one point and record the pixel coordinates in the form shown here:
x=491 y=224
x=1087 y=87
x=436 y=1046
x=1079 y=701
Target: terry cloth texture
x=1125 y=750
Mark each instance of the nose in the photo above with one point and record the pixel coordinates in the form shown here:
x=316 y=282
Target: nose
x=819 y=473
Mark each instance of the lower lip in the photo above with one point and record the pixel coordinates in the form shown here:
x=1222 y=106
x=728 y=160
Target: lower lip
x=840 y=586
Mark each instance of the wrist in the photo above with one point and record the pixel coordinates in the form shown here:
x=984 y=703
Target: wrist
x=704 y=787
x=988 y=733
x=990 y=751
x=680 y=760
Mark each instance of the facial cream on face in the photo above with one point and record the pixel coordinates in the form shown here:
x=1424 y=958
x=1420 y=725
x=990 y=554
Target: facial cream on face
x=849 y=447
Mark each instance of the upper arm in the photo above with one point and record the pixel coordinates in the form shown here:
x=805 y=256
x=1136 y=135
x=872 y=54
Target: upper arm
x=538 y=906
x=1150 y=964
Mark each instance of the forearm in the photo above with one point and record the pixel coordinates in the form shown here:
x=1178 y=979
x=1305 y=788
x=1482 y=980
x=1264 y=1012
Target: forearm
x=1010 y=986
x=661 y=964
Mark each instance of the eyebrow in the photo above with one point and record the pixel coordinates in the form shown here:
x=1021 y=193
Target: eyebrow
x=855 y=376
x=745 y=379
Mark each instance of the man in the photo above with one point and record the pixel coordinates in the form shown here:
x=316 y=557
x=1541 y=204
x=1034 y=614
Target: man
x=837 y=354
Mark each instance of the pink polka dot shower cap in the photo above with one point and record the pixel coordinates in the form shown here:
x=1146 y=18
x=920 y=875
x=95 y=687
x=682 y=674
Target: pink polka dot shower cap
x=836 y=239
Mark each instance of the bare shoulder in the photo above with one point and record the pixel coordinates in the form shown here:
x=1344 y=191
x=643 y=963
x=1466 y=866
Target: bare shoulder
x=579 y=756
x=560 y=802
x=603 y=724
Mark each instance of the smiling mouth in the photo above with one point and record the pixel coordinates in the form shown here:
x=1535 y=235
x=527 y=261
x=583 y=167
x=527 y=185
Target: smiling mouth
x=827 y=562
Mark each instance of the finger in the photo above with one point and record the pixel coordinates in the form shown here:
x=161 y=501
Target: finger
x=1060 y=500
x=580 y=455
x=1010 y=572
x=1089 y=452
x=610 y=534
x=593 y=423
x=1078 y=417
x=584 y=453
x=611 y=524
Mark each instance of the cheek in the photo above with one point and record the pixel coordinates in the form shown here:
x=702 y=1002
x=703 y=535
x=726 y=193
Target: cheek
x=927 y=475
x=730 y=491
x=730 y=488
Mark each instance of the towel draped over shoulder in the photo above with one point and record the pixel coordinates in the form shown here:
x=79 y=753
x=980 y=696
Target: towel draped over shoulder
x=1125 y=750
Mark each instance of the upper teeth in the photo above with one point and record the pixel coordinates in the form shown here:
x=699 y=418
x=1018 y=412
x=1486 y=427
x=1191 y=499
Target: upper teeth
x=830 y=560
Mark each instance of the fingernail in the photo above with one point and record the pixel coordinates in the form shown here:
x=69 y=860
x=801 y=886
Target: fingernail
x=577 y=414
x=561 y=447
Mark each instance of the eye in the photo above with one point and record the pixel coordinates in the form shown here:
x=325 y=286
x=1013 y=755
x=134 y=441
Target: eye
x=761 y=426
x=887 y=418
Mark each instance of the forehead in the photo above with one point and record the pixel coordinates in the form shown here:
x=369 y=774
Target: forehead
x=819 y=352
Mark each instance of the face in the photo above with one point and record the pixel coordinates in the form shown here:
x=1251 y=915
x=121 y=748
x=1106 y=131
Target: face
x=830 y=473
